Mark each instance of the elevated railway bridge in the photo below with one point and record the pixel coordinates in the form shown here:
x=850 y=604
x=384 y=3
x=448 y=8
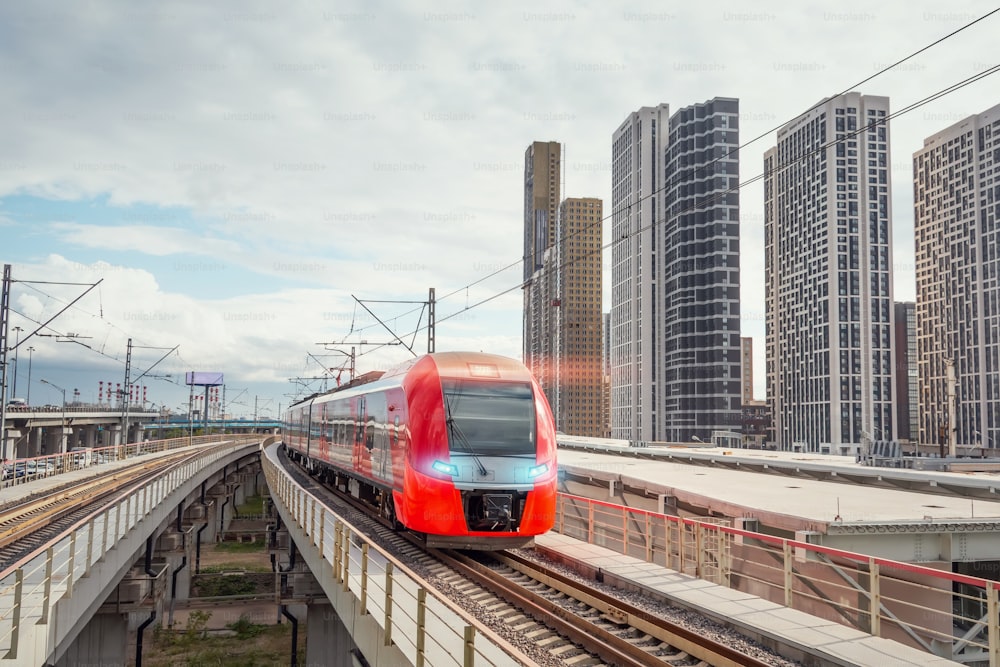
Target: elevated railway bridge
x=92 y=589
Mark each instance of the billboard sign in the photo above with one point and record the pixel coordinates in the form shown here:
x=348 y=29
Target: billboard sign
x=203 y=379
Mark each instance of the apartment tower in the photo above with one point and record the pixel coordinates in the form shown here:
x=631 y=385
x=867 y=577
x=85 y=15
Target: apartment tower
x=577 y=314
x=828 y=278
x=907 y=386
x=542 y=172
x=956 y=198
x=746 y=370
x=675 y=355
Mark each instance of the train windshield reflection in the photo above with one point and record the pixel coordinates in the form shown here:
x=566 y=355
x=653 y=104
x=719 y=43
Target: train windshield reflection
x=496 y=418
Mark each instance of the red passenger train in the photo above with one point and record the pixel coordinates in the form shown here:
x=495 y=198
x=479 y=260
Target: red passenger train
x=458 y=446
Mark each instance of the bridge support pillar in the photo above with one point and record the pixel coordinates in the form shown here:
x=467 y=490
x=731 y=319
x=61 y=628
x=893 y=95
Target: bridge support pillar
x=328 y=641
x=218 y=514
x=9 y=447
x=35 y=442
x=114 y=432
x=89 y=436
x=57 y=439
x=103 y=641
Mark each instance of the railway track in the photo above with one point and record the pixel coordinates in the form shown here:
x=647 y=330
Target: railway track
x=27 y=526
x=540 y=613
x=603 y=625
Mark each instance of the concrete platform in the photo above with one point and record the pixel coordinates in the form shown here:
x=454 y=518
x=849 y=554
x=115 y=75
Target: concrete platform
x=812 y=640
x=965 y=477
x=820 y=503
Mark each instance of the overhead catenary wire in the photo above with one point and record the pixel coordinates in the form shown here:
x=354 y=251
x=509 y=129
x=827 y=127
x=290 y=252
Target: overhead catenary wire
x=703 y=169
x=847 y=135
x=31 y=285
x=56 y=333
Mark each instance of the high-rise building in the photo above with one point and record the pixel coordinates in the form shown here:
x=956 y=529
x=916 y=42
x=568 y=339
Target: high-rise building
x=756 y=415
x=606 y=342
x=956 y=193
x=675 y=273
x=746 y=370
x=828 y=278
x=542 y=173
x=906 y=398
x=562 y=294
x=636 y=159
x=578 y=318
x=606 y=375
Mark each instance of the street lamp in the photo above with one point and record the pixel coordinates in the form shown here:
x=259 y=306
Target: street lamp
x=62 y=418
x=27 y=398
x=13 y=389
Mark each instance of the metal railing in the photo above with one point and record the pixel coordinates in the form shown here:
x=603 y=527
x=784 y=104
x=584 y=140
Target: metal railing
x=17 y=411
x=950 y=615
x=31 y=588
x=426 y=627
x=25 y=470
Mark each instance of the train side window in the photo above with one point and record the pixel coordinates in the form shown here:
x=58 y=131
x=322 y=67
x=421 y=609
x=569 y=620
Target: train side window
x=395 y=431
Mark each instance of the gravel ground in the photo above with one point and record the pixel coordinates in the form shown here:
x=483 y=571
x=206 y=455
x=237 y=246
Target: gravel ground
x=661 y=609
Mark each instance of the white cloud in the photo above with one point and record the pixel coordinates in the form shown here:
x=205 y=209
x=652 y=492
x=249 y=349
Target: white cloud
x=384 y=146
x=157 y=241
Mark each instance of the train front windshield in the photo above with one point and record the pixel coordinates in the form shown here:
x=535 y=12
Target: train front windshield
x=490 y=418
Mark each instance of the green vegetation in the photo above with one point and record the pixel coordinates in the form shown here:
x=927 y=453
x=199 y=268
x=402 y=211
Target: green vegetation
x=233 y=566
x=253 y=505
x=245 y=629
x=241 y=547
x=266 y=646
x=221 y=585
x=208 y=639
x=197 y=628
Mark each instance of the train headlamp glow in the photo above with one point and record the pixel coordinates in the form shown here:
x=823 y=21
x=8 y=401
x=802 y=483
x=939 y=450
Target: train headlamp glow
x=446 y=468
x=535 y=471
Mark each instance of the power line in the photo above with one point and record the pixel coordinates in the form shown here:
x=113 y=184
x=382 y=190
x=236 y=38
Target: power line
x=703 y=169
x=915 y=105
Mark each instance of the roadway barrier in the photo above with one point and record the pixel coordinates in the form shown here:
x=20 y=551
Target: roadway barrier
x=950 y=615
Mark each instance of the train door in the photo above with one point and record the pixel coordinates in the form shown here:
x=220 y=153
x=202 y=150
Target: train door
x=362 y=455
x=309 y=429
x=377 y=437
x=322 y=417
x=397 y=432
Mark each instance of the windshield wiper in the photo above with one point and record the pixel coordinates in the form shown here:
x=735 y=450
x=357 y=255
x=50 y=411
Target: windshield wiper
x=456 y=432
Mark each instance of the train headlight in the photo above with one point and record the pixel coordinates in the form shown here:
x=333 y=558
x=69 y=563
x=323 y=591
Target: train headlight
x=446 y=468
x=535 y=471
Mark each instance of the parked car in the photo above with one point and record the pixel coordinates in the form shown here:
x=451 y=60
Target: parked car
x=14 y=470
x=81 y=456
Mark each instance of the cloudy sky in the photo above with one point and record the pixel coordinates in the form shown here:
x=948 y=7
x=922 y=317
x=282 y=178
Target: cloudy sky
x=235 y=173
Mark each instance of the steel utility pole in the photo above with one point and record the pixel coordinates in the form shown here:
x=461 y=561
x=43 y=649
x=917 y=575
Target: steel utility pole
x=27 y=398
x=17 y=342
x=125 y=397
x=4 y=309
x=430 y=305
x=430 y=321
x=4 y=319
